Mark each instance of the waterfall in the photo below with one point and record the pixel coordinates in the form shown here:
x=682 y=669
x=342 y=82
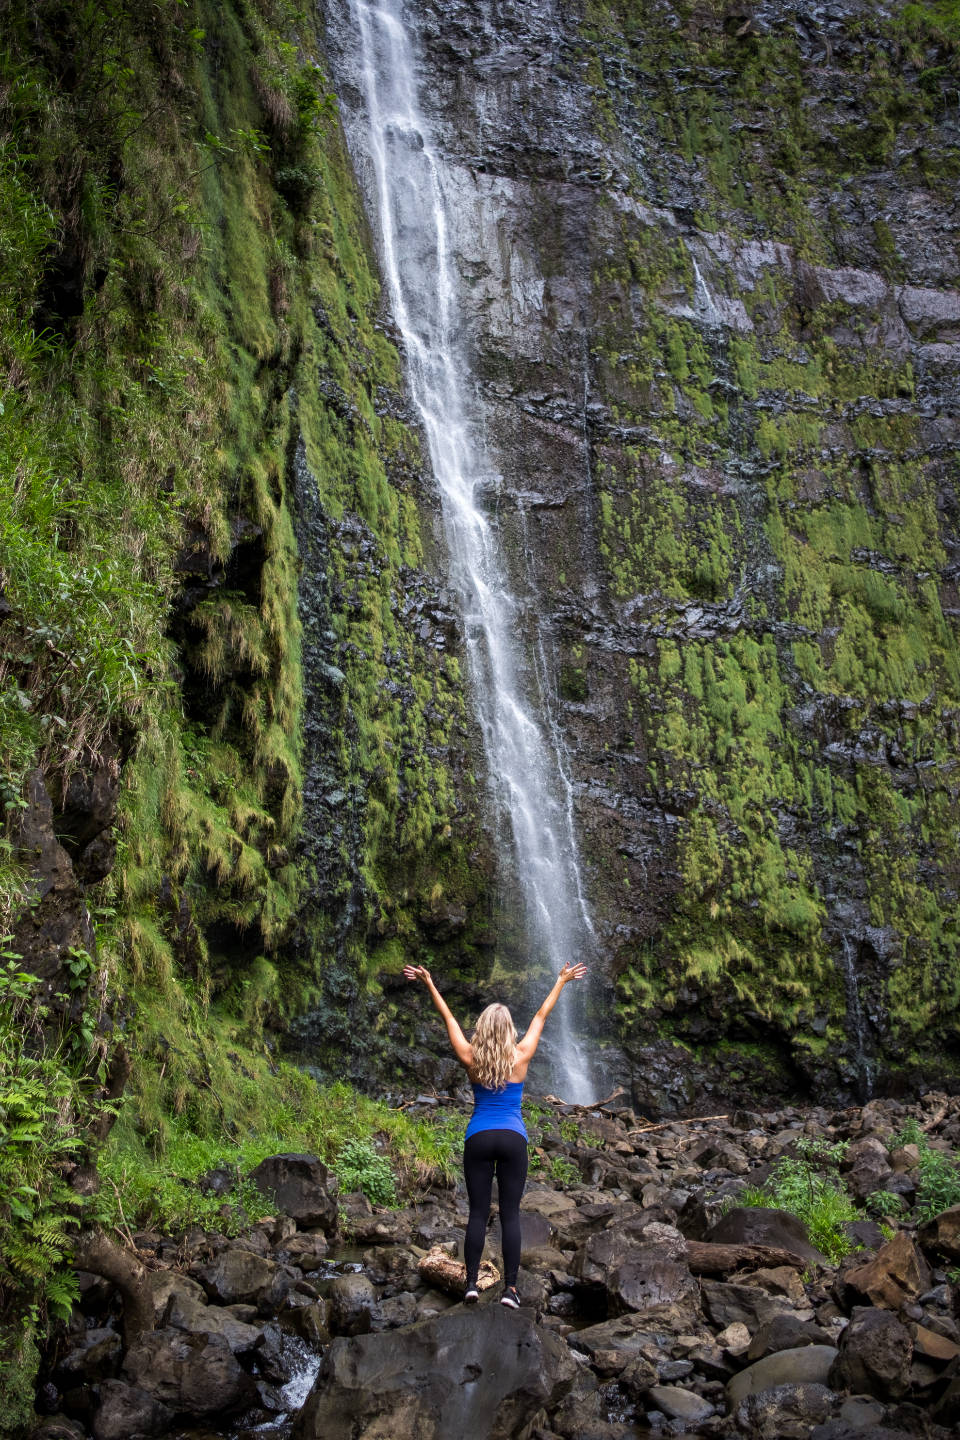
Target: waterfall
x=407 y=181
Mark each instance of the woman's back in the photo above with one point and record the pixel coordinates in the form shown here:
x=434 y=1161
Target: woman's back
x=497 y=1109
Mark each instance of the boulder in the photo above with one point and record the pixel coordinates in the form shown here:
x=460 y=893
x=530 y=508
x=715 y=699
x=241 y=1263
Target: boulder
x=164 y=1283
x=784 y=1332
x=185 y=1313
x=759 y=1225
x=630 y=1333
x=726 y=1303
x=302 y=1187
x=784 y=1367
x=352 y=1301
x=192 y=1374
x=94 y=1355
x=126 y=1412
x=237 y=1275
x=867 y=1167
x=636 y=1239
x=480 y=1373
x=679 y=1404
x=875 y=1352
x=896 y=1275
x=665 y=1292
x=942 y=1233
x=787 y=1412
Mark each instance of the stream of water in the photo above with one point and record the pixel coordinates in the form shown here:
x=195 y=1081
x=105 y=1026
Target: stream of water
x=408 y=187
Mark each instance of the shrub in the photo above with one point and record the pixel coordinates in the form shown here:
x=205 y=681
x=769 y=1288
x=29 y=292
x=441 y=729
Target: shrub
x=938 y=1174
x=359 y=1167
x=808 y=1186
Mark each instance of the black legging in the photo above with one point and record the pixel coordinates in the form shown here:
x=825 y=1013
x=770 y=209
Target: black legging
x=506 y=1152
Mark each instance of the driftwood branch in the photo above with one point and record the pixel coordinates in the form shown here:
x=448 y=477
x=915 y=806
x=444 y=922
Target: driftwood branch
x=665 y=1125
x=445 y=1273
x=707 y=1258
x=593 y=1105
x=96 y=1252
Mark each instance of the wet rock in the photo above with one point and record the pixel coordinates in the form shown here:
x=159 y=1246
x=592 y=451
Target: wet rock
x=302 y=1187
x=192 y=1374
x=58 y=1427
x=895 y=1275
x=784 y=1367
x=94 y=1356
x=237 y=1275
x=187 y=1314
x=352 y=1300
x=483 y=1373
x=126 y=1412
x=874 y=1356
x=162 y=1284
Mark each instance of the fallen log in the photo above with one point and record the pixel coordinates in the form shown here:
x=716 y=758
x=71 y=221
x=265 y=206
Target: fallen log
x=705 y=1257
x=445 y=1273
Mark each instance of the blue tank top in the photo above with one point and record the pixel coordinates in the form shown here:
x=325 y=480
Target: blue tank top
x=497 y=1109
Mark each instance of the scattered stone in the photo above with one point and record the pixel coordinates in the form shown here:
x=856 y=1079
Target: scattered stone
x=735 y=1339
x=784 y=1332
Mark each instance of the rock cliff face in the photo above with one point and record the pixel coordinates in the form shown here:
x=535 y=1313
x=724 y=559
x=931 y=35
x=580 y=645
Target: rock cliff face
x=710 y=286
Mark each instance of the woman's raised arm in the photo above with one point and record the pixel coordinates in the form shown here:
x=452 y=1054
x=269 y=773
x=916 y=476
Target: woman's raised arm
x=461 y=1045
x=528 y=1045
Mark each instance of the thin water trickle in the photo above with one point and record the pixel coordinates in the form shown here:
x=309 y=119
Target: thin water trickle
x=394 y=149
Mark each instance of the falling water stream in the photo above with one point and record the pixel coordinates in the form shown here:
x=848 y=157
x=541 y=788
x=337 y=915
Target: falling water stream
x=408 y=186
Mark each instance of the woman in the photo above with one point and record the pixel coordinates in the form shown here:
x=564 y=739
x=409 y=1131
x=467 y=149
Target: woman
x=496 y=1139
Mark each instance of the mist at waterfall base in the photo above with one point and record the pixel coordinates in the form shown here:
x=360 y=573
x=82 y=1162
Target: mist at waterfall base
x=405 y=184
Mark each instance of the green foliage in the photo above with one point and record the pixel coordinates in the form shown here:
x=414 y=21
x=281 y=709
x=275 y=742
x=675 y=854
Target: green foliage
x=808 y=1186
x=360 y=1167
x=938 y=1174
x=563 y=1171
x=44 y=1102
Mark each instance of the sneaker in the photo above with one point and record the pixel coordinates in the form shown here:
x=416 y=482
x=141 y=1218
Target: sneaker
x=472 y=1296
x=510 y=1298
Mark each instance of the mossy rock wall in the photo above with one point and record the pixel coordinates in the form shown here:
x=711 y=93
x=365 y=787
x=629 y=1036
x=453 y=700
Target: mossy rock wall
x=217 y=612
x=709 y=261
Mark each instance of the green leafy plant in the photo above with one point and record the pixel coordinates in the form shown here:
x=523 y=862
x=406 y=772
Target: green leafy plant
x=563 y=1171
x=808 y=1186
x=360 y=1167
x=938 y=1174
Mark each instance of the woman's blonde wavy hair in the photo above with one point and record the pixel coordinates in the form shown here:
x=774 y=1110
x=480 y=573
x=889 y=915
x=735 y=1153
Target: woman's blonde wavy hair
x=494 y=1044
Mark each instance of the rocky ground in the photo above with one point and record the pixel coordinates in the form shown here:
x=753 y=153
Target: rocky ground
x=653 y=1303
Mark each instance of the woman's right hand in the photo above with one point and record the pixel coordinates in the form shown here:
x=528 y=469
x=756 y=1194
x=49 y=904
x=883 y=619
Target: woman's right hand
x=573 y=972
x=417 y=972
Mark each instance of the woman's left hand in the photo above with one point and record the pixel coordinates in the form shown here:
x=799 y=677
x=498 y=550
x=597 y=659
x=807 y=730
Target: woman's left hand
x=573 y=972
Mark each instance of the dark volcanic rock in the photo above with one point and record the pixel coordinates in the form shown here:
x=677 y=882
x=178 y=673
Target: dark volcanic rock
x=755 y=1225
x=874 y=1355
x=191 y=1374
x=302 y=1187
x=480 y=1373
